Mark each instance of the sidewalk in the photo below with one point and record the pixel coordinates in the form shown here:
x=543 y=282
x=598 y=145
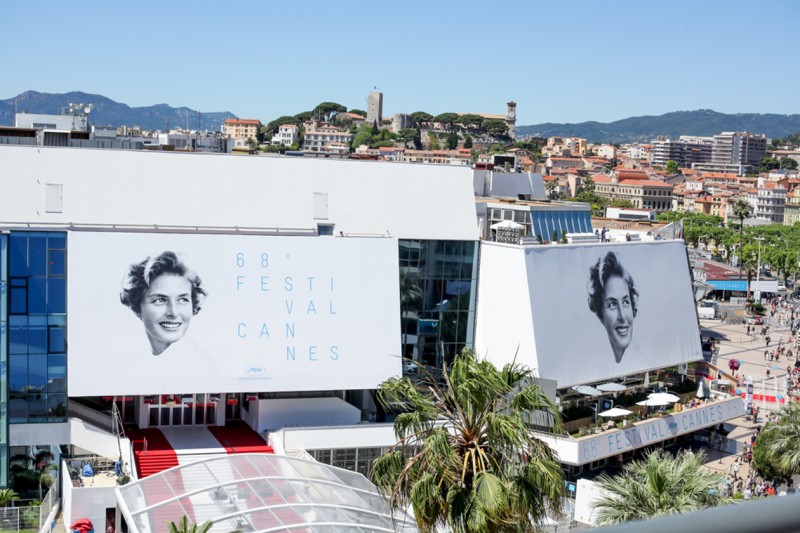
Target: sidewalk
x=734 y=343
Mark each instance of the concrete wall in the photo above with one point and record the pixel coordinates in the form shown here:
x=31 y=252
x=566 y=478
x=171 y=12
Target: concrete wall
x=119 y=188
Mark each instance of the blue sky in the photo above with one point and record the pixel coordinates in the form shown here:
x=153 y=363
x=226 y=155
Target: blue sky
x=560 y=61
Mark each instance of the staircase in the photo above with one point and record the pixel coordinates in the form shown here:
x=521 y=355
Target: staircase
x=238 y=437
x=152 y=451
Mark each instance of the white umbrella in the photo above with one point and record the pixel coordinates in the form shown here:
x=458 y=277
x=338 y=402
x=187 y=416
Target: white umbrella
x=664 y=396
x=702 y=391
x=652 y=402
x=658 y=399
x=611 y=387
x=616 y=411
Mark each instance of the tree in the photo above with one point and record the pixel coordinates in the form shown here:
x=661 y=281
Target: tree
x=433 y=141
x=326 y=110
x=658 y=485
x=7 y=496
x=362 y=136
x=470 y=119
x=302 y=117
x=452 y=140
x=421 y=117
x=447 y=119
x=183 y=526
x=272 y=128
x=496 y=127
x=672 y=167
x=768 y=163
x=467 y=141
x=788 y=163
x=776 y=453
x=741 y=210
x=465 y=458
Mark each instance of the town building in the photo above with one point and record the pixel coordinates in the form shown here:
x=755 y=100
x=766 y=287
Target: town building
x=241 y=128
x=642 y=193
x=321 y=137
x=791 y=209
x=768 y=201
x=739 y=148
x=686 y=151
x=288 y=134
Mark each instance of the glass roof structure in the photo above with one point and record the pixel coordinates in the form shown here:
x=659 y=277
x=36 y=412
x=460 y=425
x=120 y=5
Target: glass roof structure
x=259 y=492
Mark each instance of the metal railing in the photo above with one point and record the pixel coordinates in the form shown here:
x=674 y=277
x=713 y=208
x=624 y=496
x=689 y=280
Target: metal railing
x=31 y=518
x=769 y=515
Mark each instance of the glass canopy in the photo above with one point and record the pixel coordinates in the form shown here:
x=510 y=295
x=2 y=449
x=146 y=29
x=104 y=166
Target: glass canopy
x=259 y=492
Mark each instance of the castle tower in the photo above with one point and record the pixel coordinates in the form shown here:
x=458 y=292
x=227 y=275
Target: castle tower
x=375 y=108
x=511 y=119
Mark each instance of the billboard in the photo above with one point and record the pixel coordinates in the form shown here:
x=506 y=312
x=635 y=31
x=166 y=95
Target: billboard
x=187 y=313
x=602 y=311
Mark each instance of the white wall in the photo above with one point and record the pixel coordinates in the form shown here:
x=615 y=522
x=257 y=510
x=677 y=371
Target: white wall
x=360 y=436
x=86 y=502
x=75 y=432
x=504 y=306
x=109 y=187
x=301 y=412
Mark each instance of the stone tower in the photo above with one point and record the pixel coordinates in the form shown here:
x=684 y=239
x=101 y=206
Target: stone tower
x=375 y=108
x=511 y=119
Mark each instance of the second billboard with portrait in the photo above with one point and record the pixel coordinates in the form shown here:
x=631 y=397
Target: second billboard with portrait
x=607 y=311
x=586 y=313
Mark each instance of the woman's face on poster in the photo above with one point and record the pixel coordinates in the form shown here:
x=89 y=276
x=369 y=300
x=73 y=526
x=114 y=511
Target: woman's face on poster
x=166 y=310
x=618 y=314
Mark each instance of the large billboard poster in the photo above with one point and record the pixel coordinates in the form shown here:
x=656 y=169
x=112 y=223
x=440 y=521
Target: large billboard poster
x=601 y=311
x=183 y=313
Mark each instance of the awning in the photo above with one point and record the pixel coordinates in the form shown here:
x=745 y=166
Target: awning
x=587 y=390
x=728 y=284
x=611 y=387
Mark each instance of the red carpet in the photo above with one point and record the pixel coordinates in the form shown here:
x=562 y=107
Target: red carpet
x=238 y=437
x=159 y=457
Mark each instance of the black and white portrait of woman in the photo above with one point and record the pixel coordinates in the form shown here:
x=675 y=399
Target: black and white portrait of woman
x=165 y=294
x=614 y=299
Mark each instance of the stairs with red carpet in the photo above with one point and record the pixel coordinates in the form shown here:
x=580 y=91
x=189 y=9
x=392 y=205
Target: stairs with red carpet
x=159 y=455
x=238 y=437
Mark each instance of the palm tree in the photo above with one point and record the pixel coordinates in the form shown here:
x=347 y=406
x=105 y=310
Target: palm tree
x=183 y=526
x=658 y=485
x=7 y=496
x=776 y=453
x=465 y=458
x=741 y=210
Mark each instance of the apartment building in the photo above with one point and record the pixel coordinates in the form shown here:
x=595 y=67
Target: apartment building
x=686 y=151
x=241 y=128
x=791 y=209
x=739 y=148
x=288 y=134
x=768 y=201
x=325 y=138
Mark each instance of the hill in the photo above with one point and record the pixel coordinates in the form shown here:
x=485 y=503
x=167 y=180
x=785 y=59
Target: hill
x=107 y=112
x=704 y=122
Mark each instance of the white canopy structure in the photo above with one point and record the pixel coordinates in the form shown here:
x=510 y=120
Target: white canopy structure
x=259 y=492
x=616 y=411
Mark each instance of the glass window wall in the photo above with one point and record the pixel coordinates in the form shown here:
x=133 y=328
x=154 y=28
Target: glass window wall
x=35 y=332
x=437 y=299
